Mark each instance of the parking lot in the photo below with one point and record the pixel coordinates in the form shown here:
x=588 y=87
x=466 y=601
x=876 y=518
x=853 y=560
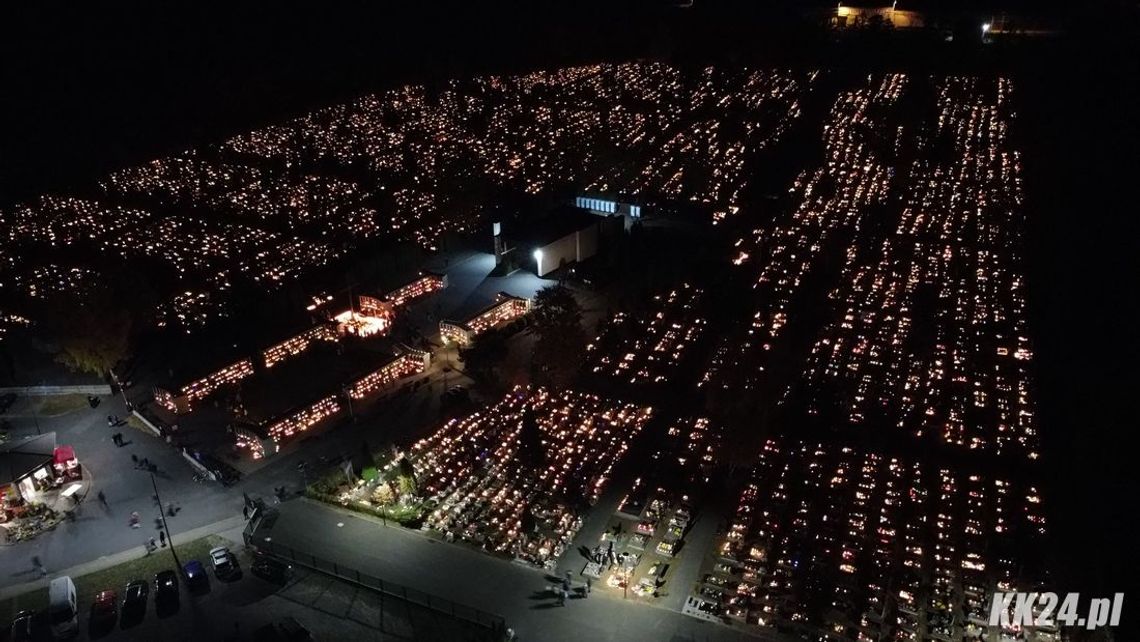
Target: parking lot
x=235 y=608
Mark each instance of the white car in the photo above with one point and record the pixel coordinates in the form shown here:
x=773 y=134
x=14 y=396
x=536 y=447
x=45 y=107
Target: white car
x=223 y=561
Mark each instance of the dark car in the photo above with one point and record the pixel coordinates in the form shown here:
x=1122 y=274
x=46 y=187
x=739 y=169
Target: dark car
x=270 y=569
x=196 y=577
x=166 y=589
x=105 y=609
x=22 y=627
x=134 y=600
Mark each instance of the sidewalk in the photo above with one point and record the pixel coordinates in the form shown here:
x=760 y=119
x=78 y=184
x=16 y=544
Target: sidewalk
x=228 y=528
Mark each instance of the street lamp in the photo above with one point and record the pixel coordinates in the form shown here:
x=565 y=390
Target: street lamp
x=538 y=261
x=165 y=528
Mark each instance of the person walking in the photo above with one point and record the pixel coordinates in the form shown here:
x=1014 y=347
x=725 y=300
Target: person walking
x=102 y=498
x=135 y=519
x=39 y=565
x=162 y=538
x=135 y=459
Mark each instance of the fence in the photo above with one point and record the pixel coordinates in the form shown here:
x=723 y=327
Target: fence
x=493 y=623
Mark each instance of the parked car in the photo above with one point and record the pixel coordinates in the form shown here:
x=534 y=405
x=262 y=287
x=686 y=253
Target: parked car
x=272 y=570
x=105 y=608
x=22 y=627
x=196 y=578
x=224 y=561
x=166 y=589
x=63 y=610
x=134 y=600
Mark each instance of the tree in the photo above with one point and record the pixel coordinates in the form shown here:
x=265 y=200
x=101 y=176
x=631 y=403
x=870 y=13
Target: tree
x=407 y=477
x=532 y=452
x=367 y=459
x=92 y=333
x=485 y=355
x=560 y=343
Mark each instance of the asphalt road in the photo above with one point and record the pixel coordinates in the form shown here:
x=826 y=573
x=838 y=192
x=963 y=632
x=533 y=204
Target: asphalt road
x=458 y=573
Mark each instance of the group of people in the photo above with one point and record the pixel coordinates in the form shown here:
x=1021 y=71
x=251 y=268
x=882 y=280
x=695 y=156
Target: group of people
x=562 y=592
x=152 y=546
x=607 y=556
x=144 y=464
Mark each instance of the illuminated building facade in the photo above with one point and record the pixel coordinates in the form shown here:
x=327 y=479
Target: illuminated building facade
x=505 y=309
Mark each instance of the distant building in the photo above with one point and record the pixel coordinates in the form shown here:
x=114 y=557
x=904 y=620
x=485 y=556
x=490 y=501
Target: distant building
x=505 y=309
x=565 y=235
x=629 y=212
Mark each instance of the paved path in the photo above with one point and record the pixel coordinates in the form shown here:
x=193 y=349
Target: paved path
x=478 y=580
x=687 y=570
x=98 y=530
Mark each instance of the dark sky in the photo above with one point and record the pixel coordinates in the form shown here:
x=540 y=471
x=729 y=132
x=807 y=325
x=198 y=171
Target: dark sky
x=91 y=90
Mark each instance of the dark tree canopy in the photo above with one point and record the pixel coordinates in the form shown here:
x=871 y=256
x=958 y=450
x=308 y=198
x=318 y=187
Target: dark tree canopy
x=92 y=333
x=560 y=343
x=484 y=356
x=532 y=452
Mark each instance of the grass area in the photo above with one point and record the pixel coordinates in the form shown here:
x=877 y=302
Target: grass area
x=116 y=577
x=137 y=424
x=54 y=405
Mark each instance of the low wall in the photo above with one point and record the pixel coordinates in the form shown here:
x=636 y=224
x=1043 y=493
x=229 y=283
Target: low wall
x=196 y=465
x=46 y=391
x=146 y=422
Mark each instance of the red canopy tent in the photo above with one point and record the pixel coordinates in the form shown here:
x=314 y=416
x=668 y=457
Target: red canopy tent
x=64 y=454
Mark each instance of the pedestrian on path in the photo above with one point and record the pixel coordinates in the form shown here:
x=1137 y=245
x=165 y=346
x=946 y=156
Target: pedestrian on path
x=162 y=538
x=39 y=565
x=135 y=519
x=135 y=458
x=102 y=498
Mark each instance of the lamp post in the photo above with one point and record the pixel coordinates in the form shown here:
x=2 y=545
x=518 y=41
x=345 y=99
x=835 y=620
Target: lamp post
x=538 y=262
x=165 y=528
x=121 y=387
